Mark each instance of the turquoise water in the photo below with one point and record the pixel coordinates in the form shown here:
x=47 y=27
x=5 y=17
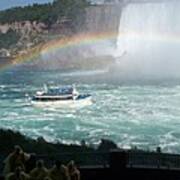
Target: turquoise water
x=131 y=114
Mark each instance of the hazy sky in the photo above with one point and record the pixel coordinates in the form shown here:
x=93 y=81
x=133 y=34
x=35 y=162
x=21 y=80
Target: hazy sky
x=4 y=4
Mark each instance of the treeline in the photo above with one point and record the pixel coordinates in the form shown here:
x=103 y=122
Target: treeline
x=9 y=39
x=48 y=13
x=31 y=13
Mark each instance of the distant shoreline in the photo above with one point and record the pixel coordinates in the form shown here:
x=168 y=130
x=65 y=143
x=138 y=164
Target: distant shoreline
x=4 y=61
x=10 y=138
x=43 y=149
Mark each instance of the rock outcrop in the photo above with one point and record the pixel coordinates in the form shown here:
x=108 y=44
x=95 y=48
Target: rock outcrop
x=24 y=27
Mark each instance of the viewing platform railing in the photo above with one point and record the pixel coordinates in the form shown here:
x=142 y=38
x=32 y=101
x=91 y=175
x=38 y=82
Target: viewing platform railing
x=81 y=159
x=115 y=159
x=153 y=160
x=124 y=158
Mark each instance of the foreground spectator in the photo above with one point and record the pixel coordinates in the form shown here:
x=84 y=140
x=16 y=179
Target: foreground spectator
x=16 y=159
x=40 y=172
x=59 y=172
x=74 y=173
x=18 y=174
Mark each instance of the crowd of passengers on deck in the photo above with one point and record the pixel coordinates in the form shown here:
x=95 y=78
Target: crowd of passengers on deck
x=15 y=168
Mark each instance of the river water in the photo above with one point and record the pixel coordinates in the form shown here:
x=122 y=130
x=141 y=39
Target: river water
x=130 y=114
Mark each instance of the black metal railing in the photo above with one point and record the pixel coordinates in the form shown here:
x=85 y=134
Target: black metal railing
x=154 y=160
x=108 y=159
x=81 y=159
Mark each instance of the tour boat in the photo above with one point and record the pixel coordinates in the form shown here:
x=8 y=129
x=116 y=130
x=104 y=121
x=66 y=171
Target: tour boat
x=61 y=96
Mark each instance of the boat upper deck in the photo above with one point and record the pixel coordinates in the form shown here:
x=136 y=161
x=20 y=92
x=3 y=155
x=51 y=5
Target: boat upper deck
x=59 y=91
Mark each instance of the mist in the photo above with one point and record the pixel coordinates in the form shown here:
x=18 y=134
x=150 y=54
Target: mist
x=146 y=46
x=148 y=42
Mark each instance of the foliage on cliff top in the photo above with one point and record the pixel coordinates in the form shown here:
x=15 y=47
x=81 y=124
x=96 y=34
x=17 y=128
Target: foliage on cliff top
x=8 y=39
x=47 y=13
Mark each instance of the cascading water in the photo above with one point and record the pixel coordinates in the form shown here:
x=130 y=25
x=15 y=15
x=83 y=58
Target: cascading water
x=149 y=40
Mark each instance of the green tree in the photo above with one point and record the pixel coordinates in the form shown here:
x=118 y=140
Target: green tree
x=74 y=10
x=8 y=39
x=48 y=13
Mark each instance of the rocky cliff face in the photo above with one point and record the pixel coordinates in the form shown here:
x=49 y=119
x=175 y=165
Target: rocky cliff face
x=29 y=35
x=25 y=27
x=99 y=19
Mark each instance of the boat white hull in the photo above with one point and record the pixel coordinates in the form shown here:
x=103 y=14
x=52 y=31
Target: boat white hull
x=64 y=103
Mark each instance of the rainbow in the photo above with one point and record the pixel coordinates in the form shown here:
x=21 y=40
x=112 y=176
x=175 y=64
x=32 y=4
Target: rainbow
x=60 y=43
x=86 y=39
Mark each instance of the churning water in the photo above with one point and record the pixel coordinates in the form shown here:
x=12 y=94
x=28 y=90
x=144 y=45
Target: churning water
x=145 y=116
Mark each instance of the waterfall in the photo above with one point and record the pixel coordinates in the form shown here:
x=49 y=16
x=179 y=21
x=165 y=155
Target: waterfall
x=148 y=43
x=97 y=42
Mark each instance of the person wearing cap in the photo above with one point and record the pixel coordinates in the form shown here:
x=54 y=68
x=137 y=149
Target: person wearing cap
x=59 y=172
x=15 y=159
x=74 y=173
x=40 y=172
x=18 y=174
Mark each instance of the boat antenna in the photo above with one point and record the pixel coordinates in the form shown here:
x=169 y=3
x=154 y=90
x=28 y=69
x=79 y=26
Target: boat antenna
x=45 y=88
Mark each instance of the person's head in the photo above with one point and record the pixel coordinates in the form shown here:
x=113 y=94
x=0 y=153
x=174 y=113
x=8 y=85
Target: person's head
x=47 y=178
x=158 y=149
x=40 y=164
x=71 y=165
x=58 y=164
x=17 y=149
x=18 y=171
